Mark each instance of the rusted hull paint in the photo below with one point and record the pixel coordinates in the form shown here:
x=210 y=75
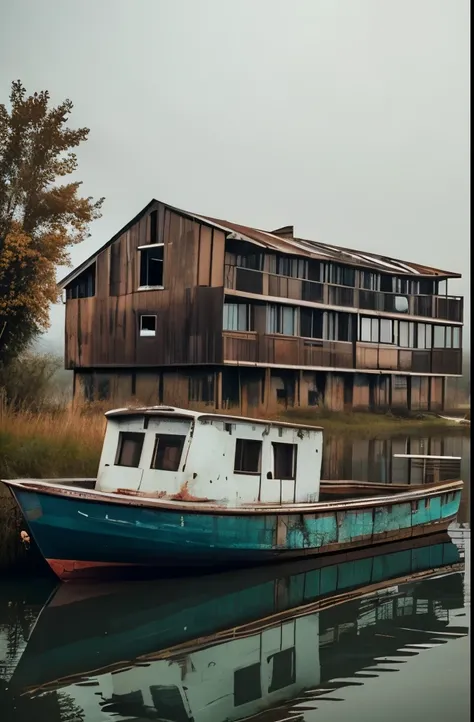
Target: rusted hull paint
x=87 y=538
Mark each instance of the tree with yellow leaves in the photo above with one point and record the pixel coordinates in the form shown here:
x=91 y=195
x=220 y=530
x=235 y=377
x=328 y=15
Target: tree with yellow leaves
x=40 y=216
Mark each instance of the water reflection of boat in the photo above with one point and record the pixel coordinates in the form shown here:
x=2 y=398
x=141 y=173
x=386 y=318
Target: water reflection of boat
x=235 y=646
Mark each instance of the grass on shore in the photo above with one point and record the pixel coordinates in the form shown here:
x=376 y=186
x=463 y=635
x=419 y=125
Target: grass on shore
x=68 y=443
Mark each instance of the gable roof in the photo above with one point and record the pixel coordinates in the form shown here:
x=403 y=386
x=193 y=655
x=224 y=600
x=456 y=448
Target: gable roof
x=282 y=244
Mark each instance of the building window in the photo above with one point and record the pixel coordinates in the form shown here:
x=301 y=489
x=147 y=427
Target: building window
x=252 y=261
x=129 y=449
x=369 y=329
x=248 y=454
x=406 y=334
x=151 y=266
x=386 y=330
x=456 y=341
x=201 y=388
x=369 y=280
x=291 y=267
x=311 y=323
x=237 y=317
x=284 y=460
x=147 y=325
x=83 y=286
x=167 y=452
x=439 y=336
x=423 y=335
x=282 y=319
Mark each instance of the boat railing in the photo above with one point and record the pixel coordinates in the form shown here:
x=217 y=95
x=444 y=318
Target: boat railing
x=427 y=469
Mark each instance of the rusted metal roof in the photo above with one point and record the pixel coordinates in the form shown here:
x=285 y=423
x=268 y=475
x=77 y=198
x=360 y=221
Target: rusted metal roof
x=284 y=244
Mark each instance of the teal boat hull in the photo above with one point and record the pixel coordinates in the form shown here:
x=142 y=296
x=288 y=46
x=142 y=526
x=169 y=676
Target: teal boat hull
x=86 y=534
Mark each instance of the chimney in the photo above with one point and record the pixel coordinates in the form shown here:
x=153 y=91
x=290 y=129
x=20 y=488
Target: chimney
x=285 y=232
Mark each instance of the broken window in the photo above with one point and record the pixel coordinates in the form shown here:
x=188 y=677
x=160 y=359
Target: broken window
x=129 y=449
x=248 y=454
x=147 y=325
x=167 y=452
x=151 y=265
x=284 y=460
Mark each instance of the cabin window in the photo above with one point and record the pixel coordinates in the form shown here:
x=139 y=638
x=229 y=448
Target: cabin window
x=237 y=317
x=167 y=452
x=151 y=266
x=147 y=325
x=283 y=669
x=311 y=323
x=129 y=448
x=247 y=684
x=248 y=455
x=284 y=461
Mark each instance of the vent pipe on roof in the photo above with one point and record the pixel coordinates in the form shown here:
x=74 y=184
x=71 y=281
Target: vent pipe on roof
x=285 y=232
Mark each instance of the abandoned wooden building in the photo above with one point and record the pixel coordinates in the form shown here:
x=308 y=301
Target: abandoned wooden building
x=184 y=309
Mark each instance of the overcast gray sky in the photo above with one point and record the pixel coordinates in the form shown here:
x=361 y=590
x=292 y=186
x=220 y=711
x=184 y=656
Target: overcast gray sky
x=347 y=118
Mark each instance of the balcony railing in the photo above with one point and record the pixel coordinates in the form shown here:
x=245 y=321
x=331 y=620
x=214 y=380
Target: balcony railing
x=253 y=347
x=263 y=283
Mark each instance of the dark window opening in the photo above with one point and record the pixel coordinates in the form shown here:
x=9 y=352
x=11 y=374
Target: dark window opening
x=248 y=455
x=151 y=266
x=168 y=703
x=167 y=452
x=88 y=387
x=230 y=388
x=247 y=684
x=201 y=388
x=129 y=448
x=313 y=397
x=284 y=460
x=154 y=227
x=83 y=286
x=103 y=389
x=114 y=272
x=311 y=323
x=283 y=669
x=147 y=325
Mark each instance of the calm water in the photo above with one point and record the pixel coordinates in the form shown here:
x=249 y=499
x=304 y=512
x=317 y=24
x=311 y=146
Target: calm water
x=383 y=636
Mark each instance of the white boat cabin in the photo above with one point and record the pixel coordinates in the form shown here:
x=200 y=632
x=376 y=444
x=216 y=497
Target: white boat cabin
x=178 y=454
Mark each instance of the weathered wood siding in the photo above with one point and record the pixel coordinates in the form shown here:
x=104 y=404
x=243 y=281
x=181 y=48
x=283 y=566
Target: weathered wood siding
x=104 y=330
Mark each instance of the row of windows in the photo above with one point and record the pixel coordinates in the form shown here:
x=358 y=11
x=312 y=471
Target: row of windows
x=338 y=326
x=290 y=321
x=168 y=450
x=408 y=334
x=328 y=272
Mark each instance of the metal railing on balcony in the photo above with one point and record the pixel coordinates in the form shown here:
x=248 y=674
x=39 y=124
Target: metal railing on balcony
x=449 y=308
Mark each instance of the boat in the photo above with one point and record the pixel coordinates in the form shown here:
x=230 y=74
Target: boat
x=178 y=489
x=234 y=645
